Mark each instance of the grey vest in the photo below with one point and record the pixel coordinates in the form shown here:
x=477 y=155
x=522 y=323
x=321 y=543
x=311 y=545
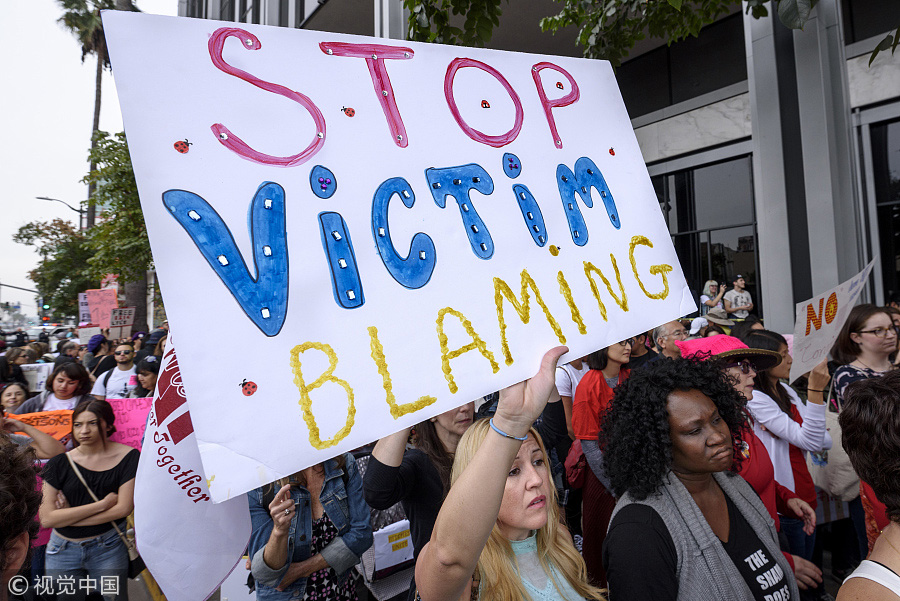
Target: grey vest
x=704 y=570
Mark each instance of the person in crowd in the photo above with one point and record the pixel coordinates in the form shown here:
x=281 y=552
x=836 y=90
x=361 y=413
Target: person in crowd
x=789 y=428
x=139 y=340
x=118 y=382
x=738 y=301
x=870 y=426
x=68 y=352
x=664 y=338
x=21 y=338
x=44 y=445
x=685 y=526
x=19 y=504
x=558 y=433
x=568 y=377
x=698 y=327
x=640 y=352
x=417 y=478
x=44 y=337
x=741 y=365
x=312 y=531
x=12 y=394
x=742 y=328
x=498 y=535
x=67 y=386
x=608 y=369
x=147 y=372
x=712 y=296
x=151 y=342
x=10 y=370
x=160 y=347
x=82 y=514
x=100 y=359
x=40 y=352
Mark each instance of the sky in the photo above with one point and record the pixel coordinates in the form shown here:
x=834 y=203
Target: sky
x=46 y=114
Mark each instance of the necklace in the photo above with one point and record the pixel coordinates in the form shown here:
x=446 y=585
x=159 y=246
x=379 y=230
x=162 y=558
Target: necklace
x=858 y=360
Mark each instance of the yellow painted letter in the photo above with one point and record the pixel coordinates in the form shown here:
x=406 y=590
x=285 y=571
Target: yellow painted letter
x=566 y=291
x=501 y=289
x=476 y=344
x=621 y=301
x=661 y=270
x=378 y=357
x=305 y=389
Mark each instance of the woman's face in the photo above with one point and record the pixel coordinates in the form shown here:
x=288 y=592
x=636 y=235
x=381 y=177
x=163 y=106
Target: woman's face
x=147 y=380
x=782 y=371
x=527 y=493
x=620 y=352
x=451 y=425
x=742 y=375
x=64 y=387
x=701 y=440
x=12 y=397
x=21 y=359
x=871 y=343
x=88 y=428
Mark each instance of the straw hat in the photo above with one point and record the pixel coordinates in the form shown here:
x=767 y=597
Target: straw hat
x=730 y=349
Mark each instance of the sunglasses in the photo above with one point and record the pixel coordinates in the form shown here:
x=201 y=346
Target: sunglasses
x=745 y=366
x=122 y=353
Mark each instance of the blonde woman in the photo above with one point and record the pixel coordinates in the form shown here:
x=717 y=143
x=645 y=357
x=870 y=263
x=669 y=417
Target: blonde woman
x=498 y=534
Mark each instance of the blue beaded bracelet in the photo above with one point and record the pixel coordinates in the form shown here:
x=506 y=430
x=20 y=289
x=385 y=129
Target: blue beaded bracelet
x=504 y=434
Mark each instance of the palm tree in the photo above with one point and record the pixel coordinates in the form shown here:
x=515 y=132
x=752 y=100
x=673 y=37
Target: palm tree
x=82 y=18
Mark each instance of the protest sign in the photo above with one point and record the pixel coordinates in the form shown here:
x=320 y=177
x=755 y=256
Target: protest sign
x=131 y=419
x=84 y=309
x=57 y=424
x=819 y=321
x=101 y=304
x=120 y=322
x=36 y=374
x=371 y=302
x=188 y=543
x=85 y=334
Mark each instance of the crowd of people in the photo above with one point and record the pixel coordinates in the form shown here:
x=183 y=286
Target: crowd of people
x=682 y=463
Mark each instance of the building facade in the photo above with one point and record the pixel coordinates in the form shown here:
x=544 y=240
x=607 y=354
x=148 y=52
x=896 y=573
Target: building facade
x=775 y=153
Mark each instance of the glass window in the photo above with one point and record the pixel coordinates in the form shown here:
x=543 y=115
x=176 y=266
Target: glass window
x=864 y=19
x=196 y=9
x=644 y=82
x=886 y=177
x=722 y=194
x=226 y=10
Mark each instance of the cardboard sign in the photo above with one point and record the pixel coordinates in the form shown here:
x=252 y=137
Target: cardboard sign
x=392 y=545
x=36 y=374
x=819 y=321
x=57 y=424
x=86 y=333
x=395 y=229
x=131 y=419
x=120 y=322
x=84 y=309
x=101 y=304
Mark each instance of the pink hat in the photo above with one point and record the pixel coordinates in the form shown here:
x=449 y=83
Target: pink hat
x=728 y=348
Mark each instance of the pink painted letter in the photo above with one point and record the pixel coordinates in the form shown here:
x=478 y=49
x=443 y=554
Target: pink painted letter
x=495 y=141
x=548 y=104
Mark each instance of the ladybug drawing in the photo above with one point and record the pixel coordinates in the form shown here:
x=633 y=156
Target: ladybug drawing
x=248 y=388
x=348 y=111
x=612 y=151
x=559 y=85
x=183 y=146
x=485 y=104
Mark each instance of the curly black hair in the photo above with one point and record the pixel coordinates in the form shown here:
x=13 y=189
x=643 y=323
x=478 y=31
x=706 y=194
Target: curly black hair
x=19 y=499
x=637 y=447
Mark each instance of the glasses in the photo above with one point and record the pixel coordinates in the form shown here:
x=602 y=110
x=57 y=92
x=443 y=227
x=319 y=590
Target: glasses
x=122 y=353
x=745 y=365
x=883 y=332
x=680 y=334
x=627 y=342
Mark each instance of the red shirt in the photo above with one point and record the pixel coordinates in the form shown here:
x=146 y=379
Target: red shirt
x=803 y=482
x=592 y=398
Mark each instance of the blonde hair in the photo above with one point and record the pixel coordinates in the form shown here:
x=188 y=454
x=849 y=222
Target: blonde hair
x=497 y=562
x=707 y=288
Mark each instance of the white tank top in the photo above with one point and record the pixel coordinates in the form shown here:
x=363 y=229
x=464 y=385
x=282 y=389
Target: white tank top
x=876 y=572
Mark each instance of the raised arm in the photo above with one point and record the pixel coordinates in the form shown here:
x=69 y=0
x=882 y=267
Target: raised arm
x=388 y=479
x=44 y=445
x=445 y=566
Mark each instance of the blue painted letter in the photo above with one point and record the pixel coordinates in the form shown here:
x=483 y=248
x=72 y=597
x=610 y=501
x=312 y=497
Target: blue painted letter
x=586 y=176
x=531 y=212
x=415 y=270
x=264 y=298
x=345 y=282
x=457 y=182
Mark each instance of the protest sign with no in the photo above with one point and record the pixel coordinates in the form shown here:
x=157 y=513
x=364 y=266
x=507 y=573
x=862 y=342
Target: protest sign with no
x=394 y=228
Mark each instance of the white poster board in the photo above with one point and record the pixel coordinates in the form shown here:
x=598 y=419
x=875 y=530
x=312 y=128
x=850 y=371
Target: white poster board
x=399 y=235
x=84 y=310
x=121 y=320
x=36 y=374
x=85 y=334
x=819 y=321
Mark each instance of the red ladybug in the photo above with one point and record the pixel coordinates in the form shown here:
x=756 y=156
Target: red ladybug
x=612 y=151
x=183 y=146
x=485 y=104
x=348 y=111
x=248 y=388
x=559 y=85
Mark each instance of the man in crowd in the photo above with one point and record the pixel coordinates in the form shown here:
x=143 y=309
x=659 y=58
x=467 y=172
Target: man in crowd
x=737 y=300
x=68 y=352
x=664 y=338
x=120 y=380
x=640 y=354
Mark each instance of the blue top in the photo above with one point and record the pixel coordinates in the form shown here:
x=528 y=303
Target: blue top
x=344 y=506
x=539 y=585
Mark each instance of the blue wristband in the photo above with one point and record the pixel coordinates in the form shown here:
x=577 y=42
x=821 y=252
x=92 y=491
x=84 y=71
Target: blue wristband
x=504 y=434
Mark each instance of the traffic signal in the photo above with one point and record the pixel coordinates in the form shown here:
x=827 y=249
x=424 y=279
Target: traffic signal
x=46 y=306
x=45 y=318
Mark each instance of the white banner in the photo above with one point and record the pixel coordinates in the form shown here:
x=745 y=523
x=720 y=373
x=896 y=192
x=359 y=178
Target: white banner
x=819 y=321
x=36 y=374
x=188 y=543
x=392 y=229
x=84 y=310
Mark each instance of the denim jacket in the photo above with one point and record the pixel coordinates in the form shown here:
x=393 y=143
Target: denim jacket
x=345 y=506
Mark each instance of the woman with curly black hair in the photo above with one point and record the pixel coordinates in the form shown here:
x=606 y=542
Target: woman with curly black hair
x=19 y=503
x=686 y=526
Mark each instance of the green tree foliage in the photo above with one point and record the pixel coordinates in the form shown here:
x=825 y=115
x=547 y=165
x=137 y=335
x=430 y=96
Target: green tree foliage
x=119 y=238
x=429 y=21
x=62 y=270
